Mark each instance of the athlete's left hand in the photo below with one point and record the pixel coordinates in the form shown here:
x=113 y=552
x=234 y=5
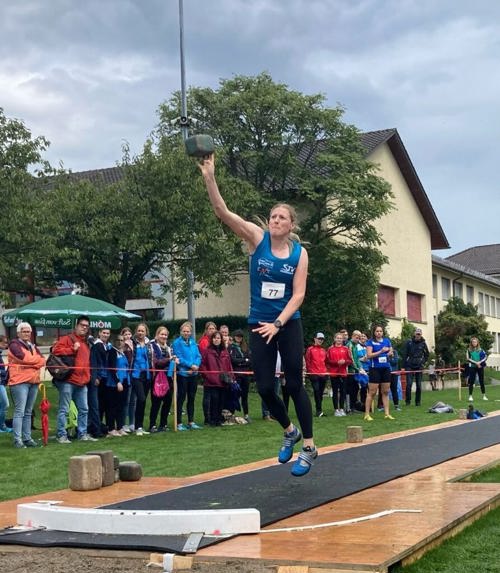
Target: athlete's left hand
x=267 y=330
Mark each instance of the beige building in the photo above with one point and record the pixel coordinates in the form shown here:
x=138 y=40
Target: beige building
x=414 y=284
x=452 y=279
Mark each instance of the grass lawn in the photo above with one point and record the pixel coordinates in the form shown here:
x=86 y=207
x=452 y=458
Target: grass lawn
x=36 y=470
x=489 y=476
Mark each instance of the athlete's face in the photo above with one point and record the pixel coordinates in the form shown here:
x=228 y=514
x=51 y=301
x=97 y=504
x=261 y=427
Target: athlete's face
x=280 y=221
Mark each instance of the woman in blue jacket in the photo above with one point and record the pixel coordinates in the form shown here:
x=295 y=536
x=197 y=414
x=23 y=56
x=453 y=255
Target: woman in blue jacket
x=142 y=364
x=116 y=389
x=186 y=351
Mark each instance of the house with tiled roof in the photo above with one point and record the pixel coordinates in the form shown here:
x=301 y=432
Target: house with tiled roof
x=106 y=176
x=450 y=278
x=482 y=258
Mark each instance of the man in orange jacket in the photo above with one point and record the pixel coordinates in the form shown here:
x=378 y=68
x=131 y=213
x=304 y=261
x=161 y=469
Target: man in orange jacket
x=75 y=387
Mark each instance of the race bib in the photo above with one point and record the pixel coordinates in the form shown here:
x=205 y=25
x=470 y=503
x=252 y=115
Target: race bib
x=272 y=290
x=382 y=359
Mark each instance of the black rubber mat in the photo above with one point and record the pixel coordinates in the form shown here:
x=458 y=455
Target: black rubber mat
x=278 y=495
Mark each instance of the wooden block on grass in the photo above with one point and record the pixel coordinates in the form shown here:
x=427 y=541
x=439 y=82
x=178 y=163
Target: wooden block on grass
x=85 y=473
x=130 y=471
x=354 y=434
x=108 y=466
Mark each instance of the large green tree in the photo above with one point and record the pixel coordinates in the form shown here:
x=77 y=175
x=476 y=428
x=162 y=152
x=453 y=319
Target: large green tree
x=21 y=167
x=274 y=144
x=456 y=324
x=107 y=238
x=292 y=147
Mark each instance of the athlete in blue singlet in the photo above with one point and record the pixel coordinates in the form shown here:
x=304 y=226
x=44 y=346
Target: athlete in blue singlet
x=379 y=351
x=278 y=276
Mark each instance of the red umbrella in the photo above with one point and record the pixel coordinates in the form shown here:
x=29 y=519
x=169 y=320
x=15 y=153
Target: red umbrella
x=44 y=409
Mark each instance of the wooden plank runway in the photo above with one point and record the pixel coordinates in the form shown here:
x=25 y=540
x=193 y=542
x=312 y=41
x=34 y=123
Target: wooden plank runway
x=445 y=507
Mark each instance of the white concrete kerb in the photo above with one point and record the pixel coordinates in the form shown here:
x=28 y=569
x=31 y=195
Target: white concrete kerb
x=138 y=522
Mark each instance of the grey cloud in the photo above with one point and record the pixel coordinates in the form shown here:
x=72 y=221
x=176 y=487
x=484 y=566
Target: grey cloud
x=90 y=75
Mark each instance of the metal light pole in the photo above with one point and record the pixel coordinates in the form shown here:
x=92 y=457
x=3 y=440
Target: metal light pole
x=184 y=123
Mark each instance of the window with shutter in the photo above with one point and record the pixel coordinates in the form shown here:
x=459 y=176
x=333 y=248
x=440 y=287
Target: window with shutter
x=414 y=306
x=386 y=300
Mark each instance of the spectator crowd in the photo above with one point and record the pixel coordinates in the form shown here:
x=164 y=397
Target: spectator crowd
x=109 y=380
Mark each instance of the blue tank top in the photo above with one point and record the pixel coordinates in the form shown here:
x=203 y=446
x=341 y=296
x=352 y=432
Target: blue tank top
x=382 y=360
x=271 y=281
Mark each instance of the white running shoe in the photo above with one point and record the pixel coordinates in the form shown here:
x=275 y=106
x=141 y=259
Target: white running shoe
x=485 y=397
x=471 y=399
x=141 y=432
x=114 y=433
x=87 y=438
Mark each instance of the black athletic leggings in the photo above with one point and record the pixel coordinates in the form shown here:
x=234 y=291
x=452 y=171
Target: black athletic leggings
x=186 y=386
x=161 y=405
x=290 y=343
x=473 y=370
x=140 y=387
x=318 y=384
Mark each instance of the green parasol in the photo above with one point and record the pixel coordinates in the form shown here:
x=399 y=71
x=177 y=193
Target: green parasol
x=62 y=311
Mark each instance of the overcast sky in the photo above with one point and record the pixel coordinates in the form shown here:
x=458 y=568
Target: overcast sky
x=90 y=74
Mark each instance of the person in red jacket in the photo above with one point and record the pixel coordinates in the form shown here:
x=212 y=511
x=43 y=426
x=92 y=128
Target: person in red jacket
x=216 y=370
x=338 y=358
x=75 y=386
x=316 y=370
x=210 y=328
